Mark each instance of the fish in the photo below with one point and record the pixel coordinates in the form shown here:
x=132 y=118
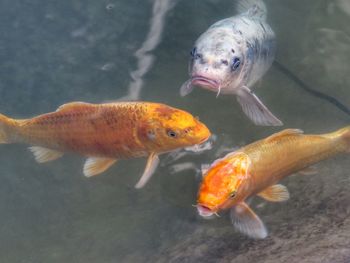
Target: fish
x=106 y=132
x=257 y=168
x=232 y=55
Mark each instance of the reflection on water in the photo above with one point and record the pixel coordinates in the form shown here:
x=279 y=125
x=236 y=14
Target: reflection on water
x=144 y=59
x=55 y=52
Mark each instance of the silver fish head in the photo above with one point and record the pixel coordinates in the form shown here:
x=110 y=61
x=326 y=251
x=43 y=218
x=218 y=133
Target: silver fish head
x=216 y=61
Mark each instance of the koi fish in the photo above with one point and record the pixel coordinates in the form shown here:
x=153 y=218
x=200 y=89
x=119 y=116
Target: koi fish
x=256 y=169
x=232 y=55
x=106 y=132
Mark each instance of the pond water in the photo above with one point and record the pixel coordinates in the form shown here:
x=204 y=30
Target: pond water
x=53 y=52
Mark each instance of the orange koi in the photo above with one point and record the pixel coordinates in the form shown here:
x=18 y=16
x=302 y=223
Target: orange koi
x=255 y=170
x=106 y=132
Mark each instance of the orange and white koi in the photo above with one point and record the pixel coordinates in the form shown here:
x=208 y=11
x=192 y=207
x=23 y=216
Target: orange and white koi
x=106 y=132
x=255 y=170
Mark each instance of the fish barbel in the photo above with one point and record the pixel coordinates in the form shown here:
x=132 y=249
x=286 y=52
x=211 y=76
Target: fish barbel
x=106 y=132
x=255 y=170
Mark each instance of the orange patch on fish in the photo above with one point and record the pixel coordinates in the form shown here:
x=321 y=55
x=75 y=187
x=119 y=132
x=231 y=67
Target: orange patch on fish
x=222 y=180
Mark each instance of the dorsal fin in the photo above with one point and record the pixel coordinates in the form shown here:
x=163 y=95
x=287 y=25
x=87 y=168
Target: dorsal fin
x=73 y=105
x=283 y=133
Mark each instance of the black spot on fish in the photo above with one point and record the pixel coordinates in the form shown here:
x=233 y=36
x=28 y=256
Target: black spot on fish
x=224 y=61
x=233 y=51
x=193 y=52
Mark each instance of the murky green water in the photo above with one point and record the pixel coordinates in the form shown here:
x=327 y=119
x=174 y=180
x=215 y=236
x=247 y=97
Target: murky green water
x=52 y=52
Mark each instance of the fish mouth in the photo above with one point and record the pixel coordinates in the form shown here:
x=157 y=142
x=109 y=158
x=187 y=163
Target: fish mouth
x=204 y=211
x=204 y=81
x=204 y=139
x=202 y=146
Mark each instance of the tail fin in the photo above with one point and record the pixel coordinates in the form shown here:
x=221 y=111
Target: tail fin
x=254 y=8
x=344 y=136
x=6 y=129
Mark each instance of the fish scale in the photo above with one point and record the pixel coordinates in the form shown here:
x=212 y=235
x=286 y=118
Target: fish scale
x=294 y=153
x=83 y=129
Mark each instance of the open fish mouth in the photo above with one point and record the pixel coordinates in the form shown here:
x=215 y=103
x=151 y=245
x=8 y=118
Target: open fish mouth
x=204 y=81
x=204 y=211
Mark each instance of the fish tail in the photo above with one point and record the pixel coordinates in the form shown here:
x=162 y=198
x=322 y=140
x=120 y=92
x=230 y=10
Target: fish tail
x=343 y=137
x=7 y=129
x=254 y=8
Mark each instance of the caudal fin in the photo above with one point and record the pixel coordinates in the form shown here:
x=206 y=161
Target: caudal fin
x=254 y=8
x=342 y=137
x=6 y=129
x=345 y=135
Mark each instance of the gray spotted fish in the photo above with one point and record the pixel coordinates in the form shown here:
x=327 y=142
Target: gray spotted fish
x=232 y=55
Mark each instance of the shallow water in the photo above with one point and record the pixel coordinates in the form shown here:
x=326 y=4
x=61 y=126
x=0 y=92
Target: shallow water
x=53 y=52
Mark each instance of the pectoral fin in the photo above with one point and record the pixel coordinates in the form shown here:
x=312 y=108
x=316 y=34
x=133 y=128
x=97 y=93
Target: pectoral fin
x=43 y=155
x=275 y=193
x=247 y=222
x=97 y=165
x=152 y=163
x=186 y=88
x=255 y=109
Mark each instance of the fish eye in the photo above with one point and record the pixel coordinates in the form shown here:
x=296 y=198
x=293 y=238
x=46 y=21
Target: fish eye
x=235 y=64
x=233 y=194
x=171 y=133
x=224 y=61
